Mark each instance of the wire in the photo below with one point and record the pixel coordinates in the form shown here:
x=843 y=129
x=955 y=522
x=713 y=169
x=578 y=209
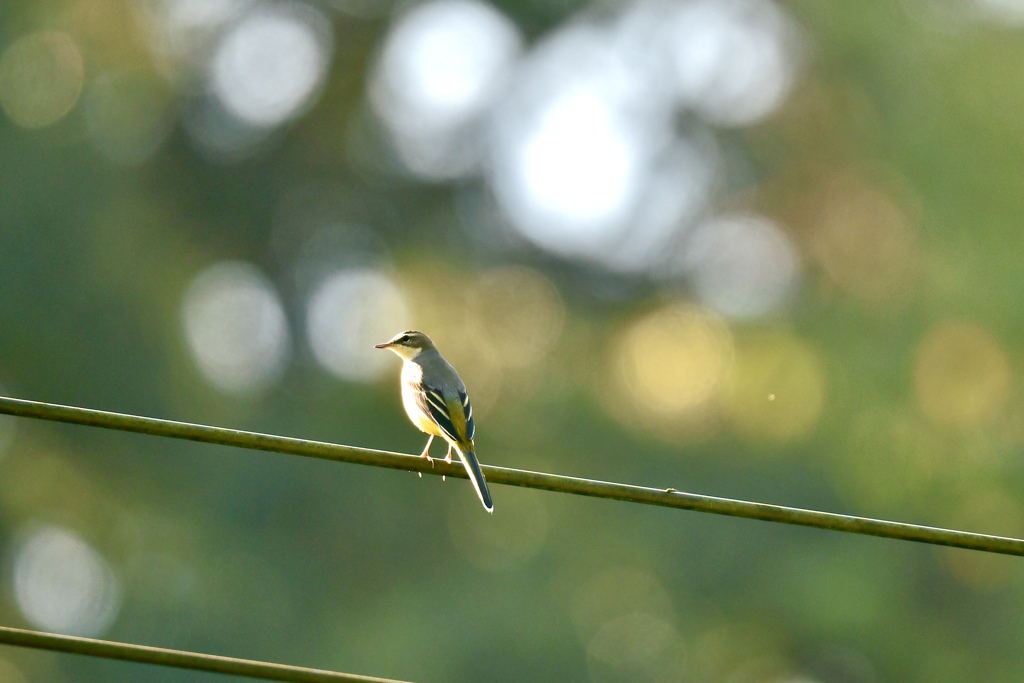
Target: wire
x=666 y=497
x=177 y=658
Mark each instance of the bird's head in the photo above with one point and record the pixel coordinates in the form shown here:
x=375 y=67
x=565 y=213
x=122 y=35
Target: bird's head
x=408 y=344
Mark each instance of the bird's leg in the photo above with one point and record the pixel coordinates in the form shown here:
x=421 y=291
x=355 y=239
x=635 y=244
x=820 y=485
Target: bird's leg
x=447 y=459
x=426 y=453
x=426 y=449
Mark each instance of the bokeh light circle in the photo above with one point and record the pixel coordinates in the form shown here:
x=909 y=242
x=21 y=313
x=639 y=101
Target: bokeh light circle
x=41 y=78
x=517 y=315
x=733 y=60
x=63 y=584
x=349 y=312
x=440 y=68
x=570 y=153
x=865 y=242
x=441 y=63
x=777 y=389
x=270 y=65
x=679 y=185
x=671 y=363
x=236 y=327
x=961 y=374
x=742 y=266
x=577 y=166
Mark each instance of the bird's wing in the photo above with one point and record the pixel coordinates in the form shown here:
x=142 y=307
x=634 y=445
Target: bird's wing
x=453 y=415
x=467 y=409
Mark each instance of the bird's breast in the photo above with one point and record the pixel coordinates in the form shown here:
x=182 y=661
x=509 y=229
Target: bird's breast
x=412 y=376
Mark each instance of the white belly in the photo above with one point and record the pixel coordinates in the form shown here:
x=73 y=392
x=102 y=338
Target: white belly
x=411 y=376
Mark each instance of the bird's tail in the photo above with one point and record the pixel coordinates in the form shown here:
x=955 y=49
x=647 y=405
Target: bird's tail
x=476 y=476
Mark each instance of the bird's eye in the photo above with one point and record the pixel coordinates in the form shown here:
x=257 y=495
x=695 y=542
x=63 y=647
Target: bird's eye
x=404 y=338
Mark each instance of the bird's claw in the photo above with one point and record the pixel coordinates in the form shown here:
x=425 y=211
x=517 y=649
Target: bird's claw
x=429 y=459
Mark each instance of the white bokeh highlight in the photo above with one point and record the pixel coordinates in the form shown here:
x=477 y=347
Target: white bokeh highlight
x=743 y=266
x=440 y=62
x=63 y=584
x=578 y=166
x=572 y=147
x=236 y=327
x=439 y=70
x=588 y=159
x=349 y=312
x=678 y=189
x=270 y=65
x=182 y=31
x=733 y=61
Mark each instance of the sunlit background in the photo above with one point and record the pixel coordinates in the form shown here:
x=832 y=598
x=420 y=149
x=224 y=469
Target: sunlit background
x=751 y=248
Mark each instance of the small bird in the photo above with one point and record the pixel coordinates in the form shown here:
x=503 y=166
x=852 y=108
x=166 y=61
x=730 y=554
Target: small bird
x=437 y=403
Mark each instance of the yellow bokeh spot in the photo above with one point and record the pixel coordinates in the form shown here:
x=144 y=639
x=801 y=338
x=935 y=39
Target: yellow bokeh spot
x=517 y=315
x=785 y=367
x=111 y=32
x=41 y=77
x=961 y=374
x=865 y=242
x=438 y=297
x=496 y=328
x=671 y=363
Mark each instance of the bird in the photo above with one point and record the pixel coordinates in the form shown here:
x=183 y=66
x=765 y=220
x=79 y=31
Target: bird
x=436 y=401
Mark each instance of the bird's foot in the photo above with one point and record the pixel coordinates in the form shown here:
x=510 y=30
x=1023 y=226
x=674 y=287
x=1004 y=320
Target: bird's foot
x=429 y=459
x=447 y=459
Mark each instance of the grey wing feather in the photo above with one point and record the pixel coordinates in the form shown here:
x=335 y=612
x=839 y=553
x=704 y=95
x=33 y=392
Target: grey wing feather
x=431 y=401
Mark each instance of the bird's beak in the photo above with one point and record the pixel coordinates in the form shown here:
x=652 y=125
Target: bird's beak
x=385 y=345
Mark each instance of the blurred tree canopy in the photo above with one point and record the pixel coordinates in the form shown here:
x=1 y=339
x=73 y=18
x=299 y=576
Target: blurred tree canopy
x=749 y=248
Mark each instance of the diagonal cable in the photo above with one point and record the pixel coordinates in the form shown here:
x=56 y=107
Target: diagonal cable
x=146 y=654
x=666 y=497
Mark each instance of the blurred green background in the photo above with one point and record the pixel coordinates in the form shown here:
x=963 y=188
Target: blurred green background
x=766 y=250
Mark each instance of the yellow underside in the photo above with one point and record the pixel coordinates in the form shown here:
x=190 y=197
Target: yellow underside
x=422 y=422
x=425 y=424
